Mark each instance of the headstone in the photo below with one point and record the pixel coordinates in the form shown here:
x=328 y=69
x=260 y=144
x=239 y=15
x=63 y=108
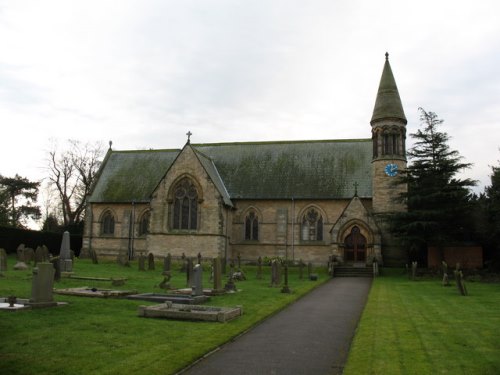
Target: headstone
x=151 y=261
x=42 y=286
x=197 y=287
x=66 y=264
x=217 y=273
x=57 y=267
x=20 y=253
x=142 y=262
x=275 y=273
x=199 y=258
x=20 y=265
x=45 y=254
x=286 y=288
x=38 y=255
x=3 y=260
x=223 y=265
x=259 y=268
x=167 y=264
x=29 y=255
x=446 y=281
x=239 y=261
x=165 y=284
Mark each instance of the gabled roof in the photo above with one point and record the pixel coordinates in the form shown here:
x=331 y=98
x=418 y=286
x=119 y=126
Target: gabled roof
x=254 y=170
x=131 y=176
x=388 y=103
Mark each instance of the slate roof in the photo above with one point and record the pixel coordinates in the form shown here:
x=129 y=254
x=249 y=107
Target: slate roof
x=259 y=170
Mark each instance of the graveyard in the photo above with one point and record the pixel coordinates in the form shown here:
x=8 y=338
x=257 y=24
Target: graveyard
x=108 y=334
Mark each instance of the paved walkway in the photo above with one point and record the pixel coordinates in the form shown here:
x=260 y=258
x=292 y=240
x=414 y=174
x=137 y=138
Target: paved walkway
x=311 y=336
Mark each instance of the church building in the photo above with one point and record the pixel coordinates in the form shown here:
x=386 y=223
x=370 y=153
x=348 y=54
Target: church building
x=304 y=200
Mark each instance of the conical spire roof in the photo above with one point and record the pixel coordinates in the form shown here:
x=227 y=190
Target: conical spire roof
x=388 y=103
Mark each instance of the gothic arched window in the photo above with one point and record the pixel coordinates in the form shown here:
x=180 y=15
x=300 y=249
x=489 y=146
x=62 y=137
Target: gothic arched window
x=185 y=215
x=108 y=224
x=144 y=224
x=251 y=226
x=312 y=226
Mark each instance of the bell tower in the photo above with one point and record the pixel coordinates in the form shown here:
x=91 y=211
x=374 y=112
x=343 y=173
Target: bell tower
x=389 y=144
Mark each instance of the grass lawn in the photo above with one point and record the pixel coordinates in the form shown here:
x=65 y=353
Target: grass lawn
x=421 y=327
x=105 y=336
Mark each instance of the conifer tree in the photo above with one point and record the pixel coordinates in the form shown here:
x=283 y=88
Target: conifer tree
x=437 y=200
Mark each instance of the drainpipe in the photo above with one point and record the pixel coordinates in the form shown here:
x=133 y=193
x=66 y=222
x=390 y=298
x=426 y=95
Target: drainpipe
x=131 y=233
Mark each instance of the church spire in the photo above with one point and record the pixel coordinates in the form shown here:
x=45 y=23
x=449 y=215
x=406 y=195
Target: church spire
x=388 y=103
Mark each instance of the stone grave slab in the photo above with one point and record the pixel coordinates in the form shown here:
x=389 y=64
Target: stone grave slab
x=174 y=311
x=95 y=292
x=174 y=298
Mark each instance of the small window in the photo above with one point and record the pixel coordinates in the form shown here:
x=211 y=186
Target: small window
x=108 y=224
x=144 y=224
x=251 y=227
x=312 y=226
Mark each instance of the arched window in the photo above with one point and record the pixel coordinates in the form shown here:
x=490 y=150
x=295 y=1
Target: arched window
x=251 y=226
x=185 y=214
x=312 y=226
x=108 y=224
x=144 y=224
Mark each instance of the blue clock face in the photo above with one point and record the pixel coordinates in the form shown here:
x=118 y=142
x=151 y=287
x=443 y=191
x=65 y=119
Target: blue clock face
x=391 y=169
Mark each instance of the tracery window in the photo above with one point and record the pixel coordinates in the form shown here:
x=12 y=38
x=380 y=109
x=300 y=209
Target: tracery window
x=185 y=214
x=312 y=226
x=251 y=226
x=144 y=224
x=108 y=224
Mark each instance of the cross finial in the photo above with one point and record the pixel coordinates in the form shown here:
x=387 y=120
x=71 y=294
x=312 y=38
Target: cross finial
x=189 y=134
x=387 y=55
x=356 y=189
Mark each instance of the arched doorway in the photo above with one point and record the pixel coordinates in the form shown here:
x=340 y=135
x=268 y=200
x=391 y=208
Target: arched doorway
x=355 y=246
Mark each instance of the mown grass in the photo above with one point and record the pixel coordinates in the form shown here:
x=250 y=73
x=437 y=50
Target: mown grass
x=421 y=327
x=105 y=336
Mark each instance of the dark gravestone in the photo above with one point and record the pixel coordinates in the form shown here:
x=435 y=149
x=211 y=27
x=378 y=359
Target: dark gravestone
x=199 y=258
x=29 y=255
x=45 y=254
x=459 y=279
x=38 y=255
x=197 y=287
x=217 y=269
x=20 y=265
x=151 y=262
x=286 y=288
x=57 y=268
x=446 y=281
x=275 y=273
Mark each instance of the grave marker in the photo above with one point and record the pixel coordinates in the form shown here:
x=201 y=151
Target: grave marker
x=197 y=287
x=151 y=262
x=42 y=286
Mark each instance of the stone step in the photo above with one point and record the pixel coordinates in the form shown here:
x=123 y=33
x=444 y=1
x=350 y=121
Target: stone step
x=353 y=272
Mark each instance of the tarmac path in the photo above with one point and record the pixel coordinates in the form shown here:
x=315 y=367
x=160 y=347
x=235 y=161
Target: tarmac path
x=311 y=336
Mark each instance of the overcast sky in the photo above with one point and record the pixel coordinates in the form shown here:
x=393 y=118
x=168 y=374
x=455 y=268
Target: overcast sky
x=144 y=73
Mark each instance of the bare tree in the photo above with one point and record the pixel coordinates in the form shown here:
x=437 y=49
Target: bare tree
x=71 y=173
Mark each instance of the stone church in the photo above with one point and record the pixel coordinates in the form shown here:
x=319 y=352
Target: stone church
x=293 y=199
